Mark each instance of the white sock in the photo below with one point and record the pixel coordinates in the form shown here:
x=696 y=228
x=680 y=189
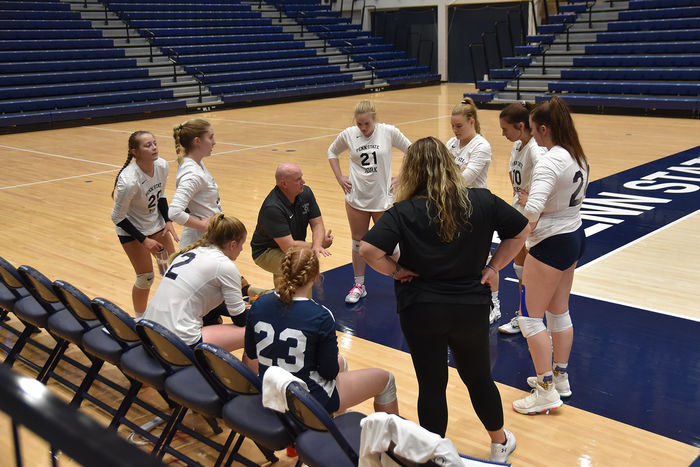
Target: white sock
x=560 y=368
x=360 y=280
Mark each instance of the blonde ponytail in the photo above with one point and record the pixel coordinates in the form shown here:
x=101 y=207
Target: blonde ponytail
x=299 y=267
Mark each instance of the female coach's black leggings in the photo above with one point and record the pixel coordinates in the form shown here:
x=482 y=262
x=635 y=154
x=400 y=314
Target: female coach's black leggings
x=429 y=328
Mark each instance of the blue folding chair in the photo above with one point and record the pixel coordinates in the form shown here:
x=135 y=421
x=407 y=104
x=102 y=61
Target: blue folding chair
x=22 y=305
x=126 y=352
x=73 y=327
x=241 y=389
x=327 y=440
x=184 y=385
x=41 y=289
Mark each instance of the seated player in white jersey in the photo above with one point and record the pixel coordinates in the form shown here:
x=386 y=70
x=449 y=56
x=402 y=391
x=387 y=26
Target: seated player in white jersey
x=472 y=154
x=515 y=126
x=369 y=187
x=200 y=277
x=556 y=243
x=196 y=196
x=289 y=330
x=141 y=212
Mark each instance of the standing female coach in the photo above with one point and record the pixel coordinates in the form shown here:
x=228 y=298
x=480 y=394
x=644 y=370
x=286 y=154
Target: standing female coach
x=196 y=196
x=557 y=242
x=368 y=189
x=141 y=212
x=442 y=282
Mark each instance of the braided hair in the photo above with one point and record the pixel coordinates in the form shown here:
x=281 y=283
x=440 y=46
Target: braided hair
x=134 y=141
x=299 y=267
x=185 y=133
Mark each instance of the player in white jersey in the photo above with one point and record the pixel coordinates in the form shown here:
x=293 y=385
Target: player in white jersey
x=297 y=334
x=200 y=277
x=141 y=212
x=472 y=155
x=196 y=196
x=515 y=126
x=369 y=187
x=555 y=245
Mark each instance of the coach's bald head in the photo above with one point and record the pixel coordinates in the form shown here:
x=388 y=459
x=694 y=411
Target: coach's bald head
x=289 y=179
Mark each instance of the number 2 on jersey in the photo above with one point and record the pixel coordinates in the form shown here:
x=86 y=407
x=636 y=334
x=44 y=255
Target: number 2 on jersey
x=575 y=200
x=153 y=200
x=296 y=352
x=181 y=261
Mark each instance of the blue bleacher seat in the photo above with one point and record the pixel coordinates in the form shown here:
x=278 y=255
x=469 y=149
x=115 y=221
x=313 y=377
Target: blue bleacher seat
x=668 y=12
x=644 y=47
x=639 y=102
x=650 y=36
x=677 y=74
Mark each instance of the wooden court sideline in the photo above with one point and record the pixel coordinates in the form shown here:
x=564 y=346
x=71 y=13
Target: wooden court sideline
x=54 y=197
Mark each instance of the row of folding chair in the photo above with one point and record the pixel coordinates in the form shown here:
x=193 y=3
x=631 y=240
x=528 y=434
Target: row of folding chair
x=206 y=380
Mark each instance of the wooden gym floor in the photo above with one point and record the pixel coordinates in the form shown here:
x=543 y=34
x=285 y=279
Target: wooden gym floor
x=55 y=205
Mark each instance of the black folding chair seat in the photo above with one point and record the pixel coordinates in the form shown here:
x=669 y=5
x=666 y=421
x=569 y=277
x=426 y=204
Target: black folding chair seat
x=101 y=344
x=243 y=412
x=318 y=446
x=327 y=440
x=138 y=364
x=248 y=417
x=188 y=387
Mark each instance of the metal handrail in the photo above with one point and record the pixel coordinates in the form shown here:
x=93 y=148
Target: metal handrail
x=301 y=23
x=372 y=67
x=150 y=37
x=534 y=14
x=348 y=44
x=174 y=58
x=325 y=38
x=197 y=73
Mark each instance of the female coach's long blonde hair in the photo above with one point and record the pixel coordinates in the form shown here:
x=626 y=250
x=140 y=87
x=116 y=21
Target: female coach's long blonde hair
x=430 y=168
x=299 y=267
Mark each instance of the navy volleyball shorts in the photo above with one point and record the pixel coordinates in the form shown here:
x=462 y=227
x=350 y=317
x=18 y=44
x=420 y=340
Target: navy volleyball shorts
x=561 y=251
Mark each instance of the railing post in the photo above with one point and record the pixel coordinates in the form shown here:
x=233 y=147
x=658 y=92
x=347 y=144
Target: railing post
x=517 y=88
x=106 y=19
x=567 y=39
x=544 y=70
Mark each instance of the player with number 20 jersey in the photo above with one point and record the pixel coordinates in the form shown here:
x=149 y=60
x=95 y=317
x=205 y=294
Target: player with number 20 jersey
x=136 y=198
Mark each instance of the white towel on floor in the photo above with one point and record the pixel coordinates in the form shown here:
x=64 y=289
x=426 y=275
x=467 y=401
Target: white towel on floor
x=412 y=442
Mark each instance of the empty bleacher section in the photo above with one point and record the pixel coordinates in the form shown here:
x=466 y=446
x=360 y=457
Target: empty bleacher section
x=637 y=54
x=75 y=59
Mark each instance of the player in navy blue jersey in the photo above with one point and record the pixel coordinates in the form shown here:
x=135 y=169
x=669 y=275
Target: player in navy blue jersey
x=291 y=331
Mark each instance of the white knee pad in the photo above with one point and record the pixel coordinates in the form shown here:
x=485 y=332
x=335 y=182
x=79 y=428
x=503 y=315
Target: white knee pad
x=144 y=281
x=530 y=326
x=388 y=395
x=559 y=323
x=355 y=245
x=518 y=271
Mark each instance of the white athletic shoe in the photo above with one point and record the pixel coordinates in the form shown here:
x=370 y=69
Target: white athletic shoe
x=357 y=292
x=561 y=384
x=511 y=327
x=500 y=452
x=495 y=313
x=539 y=400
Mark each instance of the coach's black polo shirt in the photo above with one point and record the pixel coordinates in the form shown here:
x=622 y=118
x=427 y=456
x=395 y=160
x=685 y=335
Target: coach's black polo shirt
x=448 y=272
x=279 y=218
